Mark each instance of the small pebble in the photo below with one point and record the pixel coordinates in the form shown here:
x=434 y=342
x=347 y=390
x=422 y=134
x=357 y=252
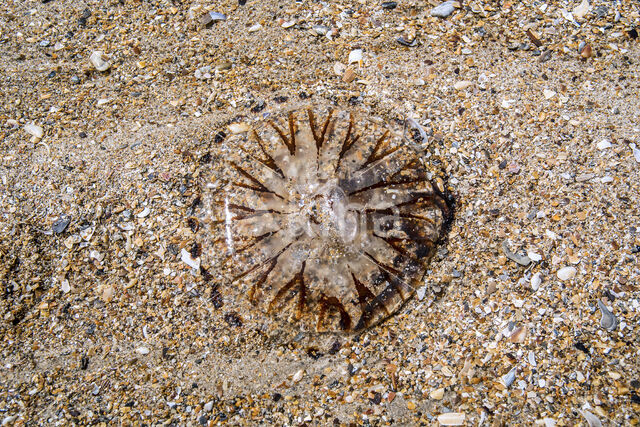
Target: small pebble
x=142 y=350
x=407 y=42
x=34 y=130
x=581 y=10
x=97 y=61
x=223 y=66
x=519 y=259
x=536 y=280
x=61 y=224
x=209 y=18
x=584 y=177
x=64 y=286
x=108 y=293
x=298 y=376
x=607 y=320
x=507 y=103
x=535 y=257
x=601 y=11
x=566 y=273
x=437 y=394
x=9 y=420
x=508 y=378
x=320 y=30
x=203 y=73
x=604 y=144
x=606 y=179
x=451 y=419
x=586 y=51
x=461 y=85
x=443 y=10
x=237 y=128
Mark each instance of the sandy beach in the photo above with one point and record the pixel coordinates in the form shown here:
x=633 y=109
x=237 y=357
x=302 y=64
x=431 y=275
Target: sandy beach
x=117 y=121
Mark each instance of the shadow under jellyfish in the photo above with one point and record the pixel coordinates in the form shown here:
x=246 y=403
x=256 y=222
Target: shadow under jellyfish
x=329 y=221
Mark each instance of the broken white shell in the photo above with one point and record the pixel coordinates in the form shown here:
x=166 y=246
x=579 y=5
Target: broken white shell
x=355 y=56
x=34 y=130
x=97 y=61
x=566 y=273
x=451 y=419
x=185 y=256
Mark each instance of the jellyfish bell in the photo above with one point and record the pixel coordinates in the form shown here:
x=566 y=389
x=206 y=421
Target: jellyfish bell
x=333 y=220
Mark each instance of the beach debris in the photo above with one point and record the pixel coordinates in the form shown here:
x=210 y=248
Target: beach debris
x=523 y=260
x=607 y=319
x=591 y=419
x=355 y=56
x=443 y=10
x=451 y=419
x=210 y=17
x=98 y=62
x=566 y=273
x=34 y=130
